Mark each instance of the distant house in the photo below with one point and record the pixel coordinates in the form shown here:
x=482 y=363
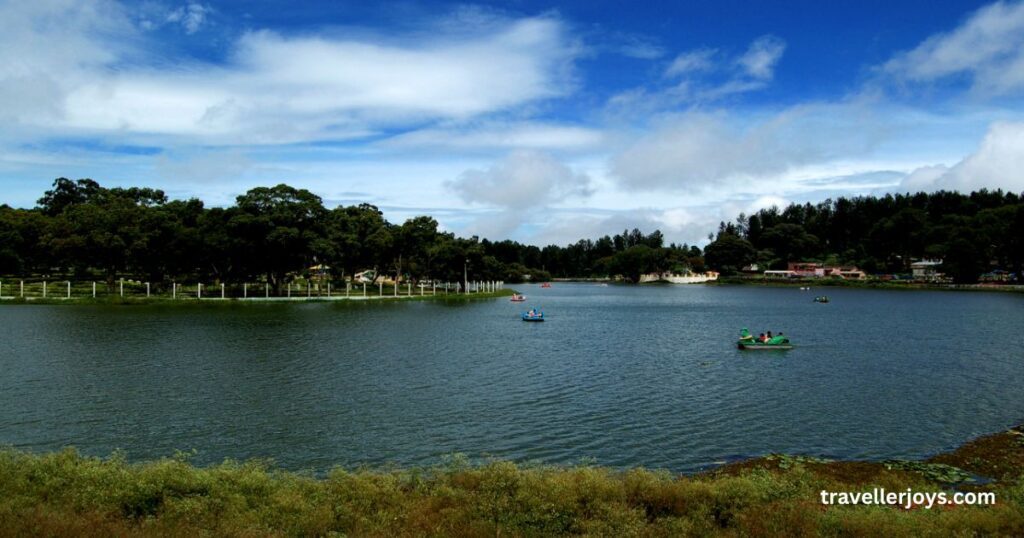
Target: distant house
x=926 y=269
x=805 y=269
x=852 y=273
x=817 y=270
x=752 y=268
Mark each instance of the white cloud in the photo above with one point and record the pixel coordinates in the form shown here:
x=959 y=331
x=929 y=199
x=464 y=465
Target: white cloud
x=924 y=178
x=760 y=59
x=274 y=88
x=522 y=180
x=49 y=47
x=206 y=168
x=705 y=75
x=191 y=16
x=698 y=151
x=988 y=48
x=501 y=135
x=689 y=62
x=998 y=163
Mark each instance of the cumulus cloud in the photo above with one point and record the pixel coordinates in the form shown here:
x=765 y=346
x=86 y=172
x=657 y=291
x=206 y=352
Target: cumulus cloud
x=522 y=180
x=998 y=163
x=988 y=48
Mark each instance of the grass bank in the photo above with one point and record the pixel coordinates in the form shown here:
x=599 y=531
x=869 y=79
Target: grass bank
x=213 y=301
x=64 y=493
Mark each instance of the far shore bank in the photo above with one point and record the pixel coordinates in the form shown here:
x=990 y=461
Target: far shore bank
x=868 y=284
x=192 y=300
x=822 y=282
x=65 y=493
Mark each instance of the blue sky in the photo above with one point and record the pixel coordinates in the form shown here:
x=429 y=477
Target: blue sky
x=535 y=121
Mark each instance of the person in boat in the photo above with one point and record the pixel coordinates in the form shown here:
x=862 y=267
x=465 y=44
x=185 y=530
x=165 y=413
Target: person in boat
x=760 y=337
x=769 y=336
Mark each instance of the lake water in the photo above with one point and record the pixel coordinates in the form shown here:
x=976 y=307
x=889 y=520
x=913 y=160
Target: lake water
x=619 y=375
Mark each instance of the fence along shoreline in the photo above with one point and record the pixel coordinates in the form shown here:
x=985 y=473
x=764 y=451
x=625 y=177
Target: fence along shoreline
x=135 y=290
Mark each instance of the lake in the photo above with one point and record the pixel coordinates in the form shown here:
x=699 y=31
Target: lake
x=617 y=375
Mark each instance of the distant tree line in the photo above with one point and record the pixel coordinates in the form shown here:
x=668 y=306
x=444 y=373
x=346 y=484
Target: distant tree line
x=971 y=233
x=276 y=234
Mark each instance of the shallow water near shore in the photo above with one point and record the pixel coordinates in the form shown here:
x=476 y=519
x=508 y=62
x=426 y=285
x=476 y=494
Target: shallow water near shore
x=619 y=375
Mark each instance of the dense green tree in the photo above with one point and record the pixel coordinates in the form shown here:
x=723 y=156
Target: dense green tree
x=278 y=228
x=729 y=253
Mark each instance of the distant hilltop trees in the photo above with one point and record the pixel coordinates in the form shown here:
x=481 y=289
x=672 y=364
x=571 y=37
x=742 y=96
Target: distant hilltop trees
x=276 y=234
x=972 y=233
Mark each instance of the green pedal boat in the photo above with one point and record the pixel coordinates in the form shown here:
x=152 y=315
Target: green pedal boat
x=747 y=341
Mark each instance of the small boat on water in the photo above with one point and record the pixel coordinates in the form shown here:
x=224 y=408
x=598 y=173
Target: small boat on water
x=533 y=315
x=748 y=342
x=821 y=299
x=517 y=298
x=546 y=285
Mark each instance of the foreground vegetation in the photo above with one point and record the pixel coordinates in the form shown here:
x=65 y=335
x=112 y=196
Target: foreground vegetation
x=66 y=493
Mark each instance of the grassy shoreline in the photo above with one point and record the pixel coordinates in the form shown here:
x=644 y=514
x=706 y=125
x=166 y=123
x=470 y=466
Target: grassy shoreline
x=234 y=301
x=64 y=493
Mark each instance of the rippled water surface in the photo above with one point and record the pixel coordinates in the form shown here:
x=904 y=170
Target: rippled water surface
x=621 y=375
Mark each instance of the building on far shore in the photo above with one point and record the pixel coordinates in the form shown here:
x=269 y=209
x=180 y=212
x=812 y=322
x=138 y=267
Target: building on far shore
x=817 y=270
x=926 y=270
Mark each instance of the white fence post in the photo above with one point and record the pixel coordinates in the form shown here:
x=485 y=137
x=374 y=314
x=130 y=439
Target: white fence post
x=69 y=289
x=408 y=288
x=245 y=290
x=267 y=289
x=328 y=290
x=147 y=290
x=221 y=290
x=122 y=287
x=44 y=289
x=289 y=290
x=93 y=289
x=174 y=290
x=199 y=290
x=22 y=289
